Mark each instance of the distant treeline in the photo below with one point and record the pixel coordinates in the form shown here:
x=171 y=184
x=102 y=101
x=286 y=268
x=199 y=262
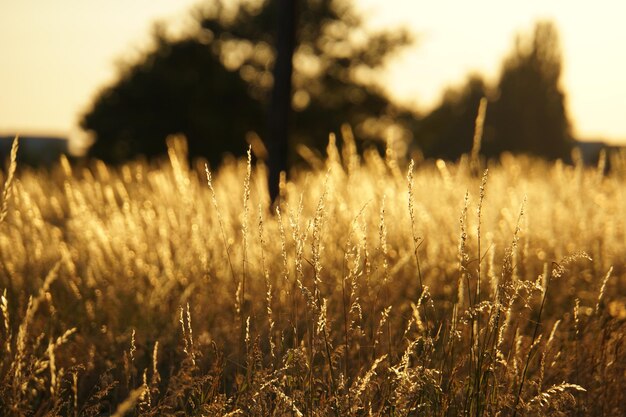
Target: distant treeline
x=214 y=86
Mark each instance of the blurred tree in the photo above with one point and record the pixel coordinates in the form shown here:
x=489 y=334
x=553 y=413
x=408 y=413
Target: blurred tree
x=176 y=88
x=214 y=84
x=529 y=115
x=447 y=131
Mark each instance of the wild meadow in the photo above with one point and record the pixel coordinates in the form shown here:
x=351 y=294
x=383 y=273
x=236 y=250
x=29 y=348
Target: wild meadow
x=376 y=286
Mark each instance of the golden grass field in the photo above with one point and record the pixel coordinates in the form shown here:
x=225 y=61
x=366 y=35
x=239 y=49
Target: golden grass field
x=377 y=287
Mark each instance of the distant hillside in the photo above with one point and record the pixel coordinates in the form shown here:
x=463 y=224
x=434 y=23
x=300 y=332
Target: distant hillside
x=35 y=150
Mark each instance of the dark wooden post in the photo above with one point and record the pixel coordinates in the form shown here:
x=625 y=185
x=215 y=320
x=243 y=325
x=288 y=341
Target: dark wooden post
x=280 y=106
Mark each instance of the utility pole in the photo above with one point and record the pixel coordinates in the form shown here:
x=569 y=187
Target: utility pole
x=280 y=105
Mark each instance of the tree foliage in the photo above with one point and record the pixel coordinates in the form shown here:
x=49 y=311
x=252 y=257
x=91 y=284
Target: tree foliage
x=446 y=132
x=529 y=115
x=177 y=88
x=213 y=84
x=526 y=112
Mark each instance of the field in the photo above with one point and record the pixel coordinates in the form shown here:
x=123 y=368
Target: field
x=377 y=286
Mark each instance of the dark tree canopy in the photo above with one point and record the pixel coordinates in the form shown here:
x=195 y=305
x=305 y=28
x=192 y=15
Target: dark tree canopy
x=177 y=88
x=447 y=131
x=213 y=85
x=526 y=111
x=529 y=115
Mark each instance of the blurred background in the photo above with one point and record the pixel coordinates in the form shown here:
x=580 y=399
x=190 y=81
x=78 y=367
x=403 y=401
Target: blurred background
x=113 y=79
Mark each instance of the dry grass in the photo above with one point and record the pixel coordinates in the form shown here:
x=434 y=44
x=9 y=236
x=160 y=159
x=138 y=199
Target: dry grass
x=376 y=287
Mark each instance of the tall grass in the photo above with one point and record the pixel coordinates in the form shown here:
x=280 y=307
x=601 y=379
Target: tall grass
x=376 y=286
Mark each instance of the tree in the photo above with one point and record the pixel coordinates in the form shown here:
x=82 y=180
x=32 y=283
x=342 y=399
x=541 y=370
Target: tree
x=529 y=116
x=214 y=84
x=177 y=88
x=447 y=131
x=528 y=113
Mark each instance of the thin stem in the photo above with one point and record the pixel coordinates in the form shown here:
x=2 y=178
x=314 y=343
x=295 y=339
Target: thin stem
x=532 y=342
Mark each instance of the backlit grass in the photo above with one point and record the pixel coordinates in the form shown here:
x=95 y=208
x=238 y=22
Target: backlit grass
x=377 y=286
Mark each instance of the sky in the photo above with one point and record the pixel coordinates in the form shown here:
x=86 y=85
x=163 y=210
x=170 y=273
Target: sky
x=56 y=55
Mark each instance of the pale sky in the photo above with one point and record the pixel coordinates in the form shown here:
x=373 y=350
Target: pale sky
x=55 y=55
